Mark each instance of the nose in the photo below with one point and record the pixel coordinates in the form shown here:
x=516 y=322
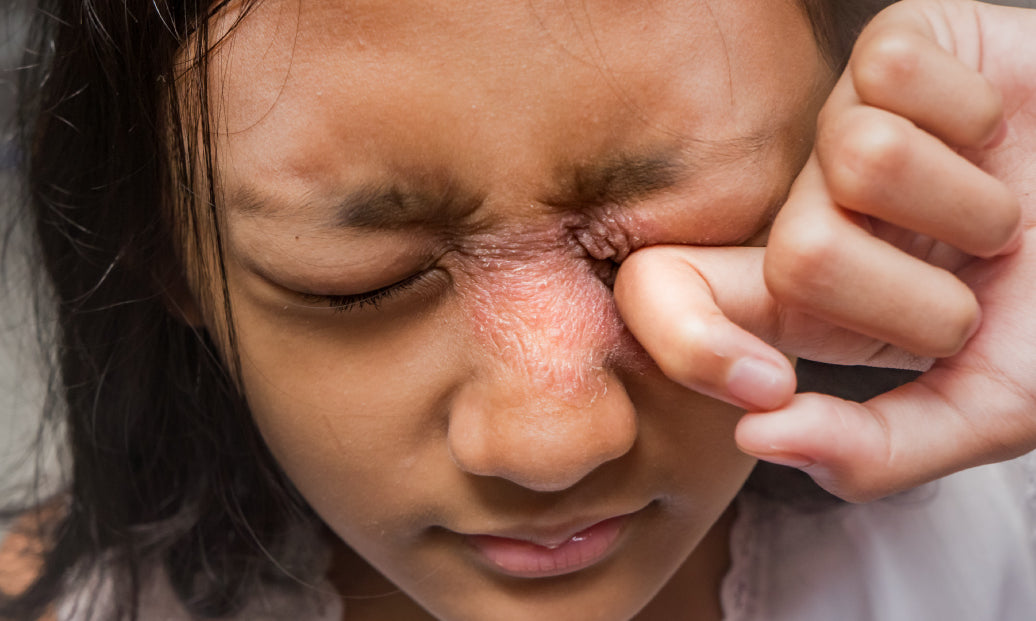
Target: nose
x=539 y=440
x=544 y=406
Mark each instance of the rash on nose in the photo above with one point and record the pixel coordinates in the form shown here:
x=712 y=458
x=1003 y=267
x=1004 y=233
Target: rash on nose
x=544 y=312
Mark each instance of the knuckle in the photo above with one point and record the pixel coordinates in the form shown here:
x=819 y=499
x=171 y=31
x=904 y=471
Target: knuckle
x=884 y=62
x=798 y=262
x=867 y=152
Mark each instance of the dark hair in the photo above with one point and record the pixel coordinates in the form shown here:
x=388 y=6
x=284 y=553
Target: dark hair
x=165 y=464
x=836 y=24
x=162 y=451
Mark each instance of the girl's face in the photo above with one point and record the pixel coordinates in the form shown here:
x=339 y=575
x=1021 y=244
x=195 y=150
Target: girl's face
x=426 y=202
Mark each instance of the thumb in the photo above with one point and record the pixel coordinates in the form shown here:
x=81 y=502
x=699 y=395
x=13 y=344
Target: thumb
x=707 y=318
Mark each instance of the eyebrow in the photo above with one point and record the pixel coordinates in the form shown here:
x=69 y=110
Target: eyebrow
x=378 y=206
x=617 y=180
x=369 y=206
x=633 y=176
x=621 y=179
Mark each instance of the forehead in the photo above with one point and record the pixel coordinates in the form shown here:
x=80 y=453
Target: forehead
x=319 y=93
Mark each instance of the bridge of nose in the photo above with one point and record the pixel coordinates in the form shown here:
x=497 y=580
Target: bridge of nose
x=544 y=407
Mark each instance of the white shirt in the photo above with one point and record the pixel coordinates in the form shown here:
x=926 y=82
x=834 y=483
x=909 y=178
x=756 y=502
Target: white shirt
x=960 y=549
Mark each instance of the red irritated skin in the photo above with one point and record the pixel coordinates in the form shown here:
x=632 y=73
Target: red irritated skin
x=425 y=202
x=512 y=291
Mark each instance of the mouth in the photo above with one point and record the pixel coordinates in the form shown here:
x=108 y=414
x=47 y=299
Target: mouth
x=544 y=556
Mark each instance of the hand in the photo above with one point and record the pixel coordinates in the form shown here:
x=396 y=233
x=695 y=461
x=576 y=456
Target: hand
x=916 y=212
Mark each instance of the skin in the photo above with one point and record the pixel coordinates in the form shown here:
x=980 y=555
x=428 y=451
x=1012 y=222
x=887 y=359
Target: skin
x=968 y=239
x=390 y=463
x=500 y=392
x=907 y=241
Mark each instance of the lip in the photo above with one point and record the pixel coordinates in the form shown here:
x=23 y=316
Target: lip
x=540 y=555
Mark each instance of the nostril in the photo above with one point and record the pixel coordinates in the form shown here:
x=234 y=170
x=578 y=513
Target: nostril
x=503 y=426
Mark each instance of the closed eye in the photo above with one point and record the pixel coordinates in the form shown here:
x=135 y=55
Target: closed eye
x=368 y=299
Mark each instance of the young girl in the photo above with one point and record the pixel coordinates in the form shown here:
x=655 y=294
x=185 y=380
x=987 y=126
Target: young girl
x=343 y=333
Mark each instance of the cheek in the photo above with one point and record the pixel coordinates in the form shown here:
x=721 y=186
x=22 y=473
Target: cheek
x=351 y=415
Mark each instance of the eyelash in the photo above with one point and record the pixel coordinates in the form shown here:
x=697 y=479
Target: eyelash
x=368 y=299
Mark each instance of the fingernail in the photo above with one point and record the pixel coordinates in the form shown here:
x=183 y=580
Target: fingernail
x=792 y=460
x=758 y=382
